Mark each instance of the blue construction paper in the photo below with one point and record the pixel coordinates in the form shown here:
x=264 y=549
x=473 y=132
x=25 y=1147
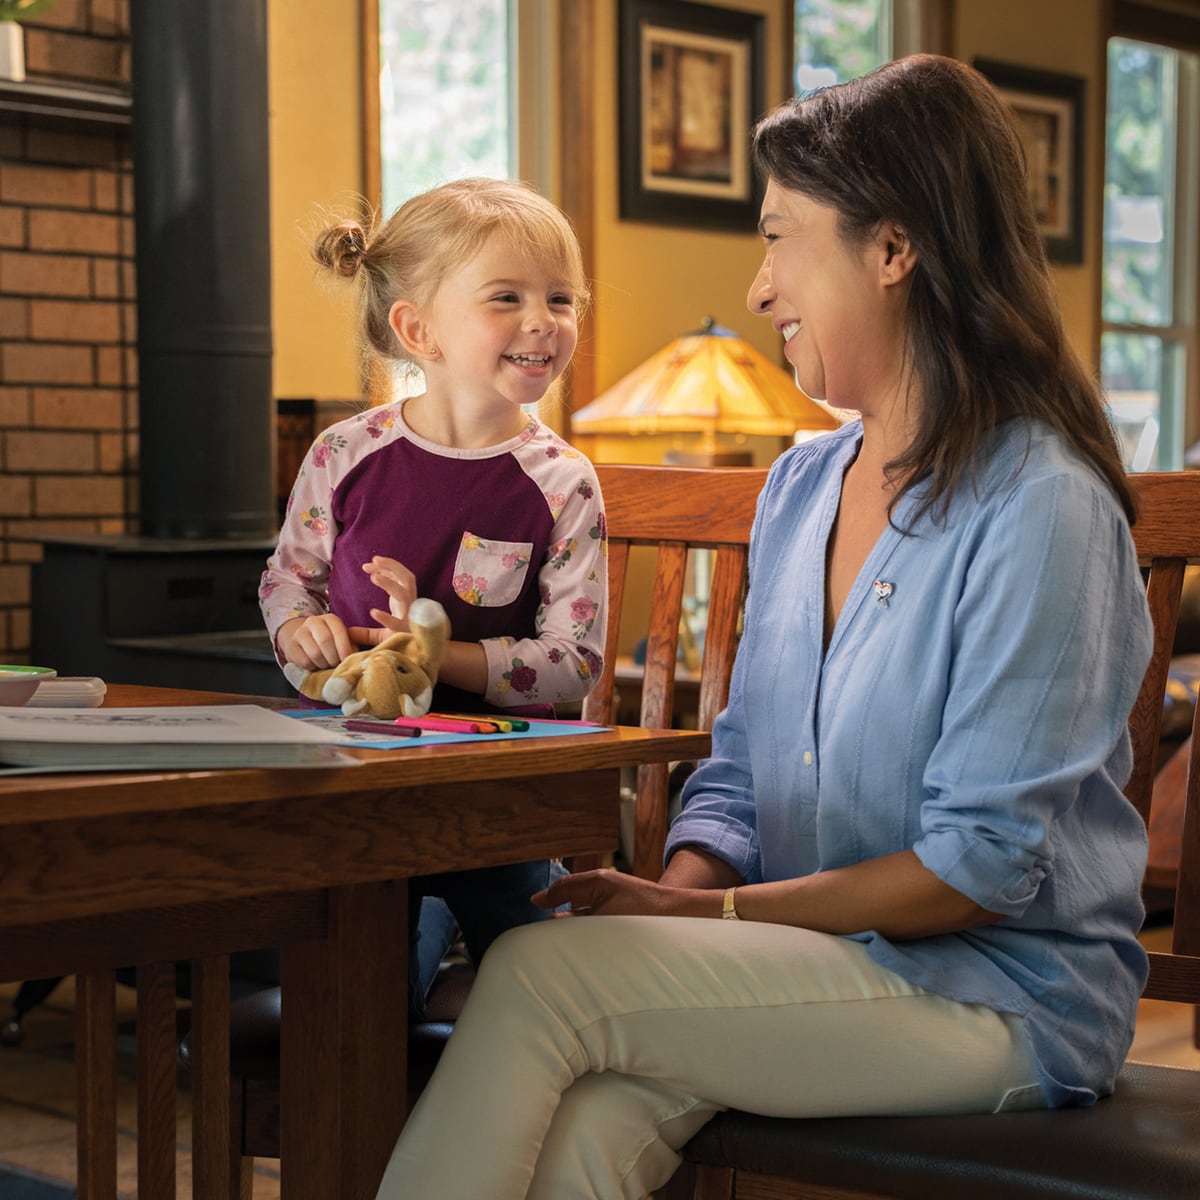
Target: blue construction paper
x=335 y=719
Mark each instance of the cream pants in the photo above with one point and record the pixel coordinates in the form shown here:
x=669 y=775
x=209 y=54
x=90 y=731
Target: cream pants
x=592 y=1048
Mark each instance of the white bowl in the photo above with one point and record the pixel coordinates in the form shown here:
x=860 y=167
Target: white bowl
x=17 y=684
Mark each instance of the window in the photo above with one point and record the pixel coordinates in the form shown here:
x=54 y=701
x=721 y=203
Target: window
x=1148 y=338
x=836 y=40
x=446 y=89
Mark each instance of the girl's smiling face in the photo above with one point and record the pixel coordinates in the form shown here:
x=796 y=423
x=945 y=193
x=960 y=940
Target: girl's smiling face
x=825 y=298
x=504 y=326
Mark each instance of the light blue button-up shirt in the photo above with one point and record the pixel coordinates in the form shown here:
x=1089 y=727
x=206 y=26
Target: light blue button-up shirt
x=977 y=717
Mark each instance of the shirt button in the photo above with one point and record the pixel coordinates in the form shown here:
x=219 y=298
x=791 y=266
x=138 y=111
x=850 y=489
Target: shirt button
x=808 y=758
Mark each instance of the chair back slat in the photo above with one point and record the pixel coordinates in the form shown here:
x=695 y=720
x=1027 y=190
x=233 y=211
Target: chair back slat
x=726 y=598
x=1186 y=932
x=1163 y=589
x=598 y=704
x=662 y=637
x=674 y=510
x=651 y=818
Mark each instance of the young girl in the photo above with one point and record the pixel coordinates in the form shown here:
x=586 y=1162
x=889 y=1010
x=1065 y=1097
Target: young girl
x=458 y=494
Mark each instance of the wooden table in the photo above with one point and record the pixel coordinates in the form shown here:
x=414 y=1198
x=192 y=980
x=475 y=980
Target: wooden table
x=107 y=870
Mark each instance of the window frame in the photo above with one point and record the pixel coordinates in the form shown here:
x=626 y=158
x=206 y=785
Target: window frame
x=1146 y=23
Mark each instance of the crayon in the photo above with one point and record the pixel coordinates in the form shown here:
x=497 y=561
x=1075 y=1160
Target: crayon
x=505 y=724
x=381 y=727
x=444 y=725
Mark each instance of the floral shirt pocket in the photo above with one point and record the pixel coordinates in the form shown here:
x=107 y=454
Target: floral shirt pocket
x=490 y=573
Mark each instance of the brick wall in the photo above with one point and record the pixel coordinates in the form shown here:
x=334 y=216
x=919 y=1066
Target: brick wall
x=68 y=372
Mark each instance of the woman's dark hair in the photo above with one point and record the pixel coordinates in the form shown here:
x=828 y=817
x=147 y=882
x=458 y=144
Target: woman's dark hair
x=926 y=143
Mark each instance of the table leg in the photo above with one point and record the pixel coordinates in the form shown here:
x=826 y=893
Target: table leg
x=96 y=1084
x=343 y=1046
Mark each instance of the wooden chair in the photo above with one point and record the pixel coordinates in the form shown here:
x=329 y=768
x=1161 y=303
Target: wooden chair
x=1142 y=1143
x=674 y=510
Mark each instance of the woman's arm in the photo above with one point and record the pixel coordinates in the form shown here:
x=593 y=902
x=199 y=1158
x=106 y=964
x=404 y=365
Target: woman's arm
x=694 y=867
x=894 y=895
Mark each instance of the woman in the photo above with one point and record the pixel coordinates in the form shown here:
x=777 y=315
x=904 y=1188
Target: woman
x=914 y=806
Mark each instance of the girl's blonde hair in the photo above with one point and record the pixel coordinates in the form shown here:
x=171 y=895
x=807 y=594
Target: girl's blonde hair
x=427 y=237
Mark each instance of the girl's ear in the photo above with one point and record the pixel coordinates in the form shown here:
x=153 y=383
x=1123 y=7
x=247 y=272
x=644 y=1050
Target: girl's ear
x=898 y=256
x=412 y=332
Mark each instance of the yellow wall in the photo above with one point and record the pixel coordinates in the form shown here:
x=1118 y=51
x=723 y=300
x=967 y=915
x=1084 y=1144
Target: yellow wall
x=655 y=282
x=315 y=66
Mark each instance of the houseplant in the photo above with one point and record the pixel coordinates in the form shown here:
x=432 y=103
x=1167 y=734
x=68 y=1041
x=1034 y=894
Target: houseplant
x=12 y=41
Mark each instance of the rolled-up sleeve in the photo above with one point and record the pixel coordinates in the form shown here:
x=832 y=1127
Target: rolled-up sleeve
x=1043 y=680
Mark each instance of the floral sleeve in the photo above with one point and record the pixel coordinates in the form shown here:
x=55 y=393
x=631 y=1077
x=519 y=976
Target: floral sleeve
x=296 y=580
x=566 y=657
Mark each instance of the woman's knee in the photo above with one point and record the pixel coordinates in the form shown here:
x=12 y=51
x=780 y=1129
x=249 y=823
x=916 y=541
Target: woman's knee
x=517 y=957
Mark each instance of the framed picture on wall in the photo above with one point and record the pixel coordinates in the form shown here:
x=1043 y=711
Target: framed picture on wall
x=1048 y=108
x=690 y=86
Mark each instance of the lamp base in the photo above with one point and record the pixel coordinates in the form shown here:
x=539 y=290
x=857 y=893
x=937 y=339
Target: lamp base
x=708 y=458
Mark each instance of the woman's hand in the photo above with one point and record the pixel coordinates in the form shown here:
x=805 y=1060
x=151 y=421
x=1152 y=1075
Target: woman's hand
x=609 y=893
x=314 y=643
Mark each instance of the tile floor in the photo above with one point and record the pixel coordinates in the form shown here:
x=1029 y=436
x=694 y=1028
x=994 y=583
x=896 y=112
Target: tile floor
x=37 y=1085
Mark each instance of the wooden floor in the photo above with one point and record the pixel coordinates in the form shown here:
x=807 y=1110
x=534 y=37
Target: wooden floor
x=37 y=1088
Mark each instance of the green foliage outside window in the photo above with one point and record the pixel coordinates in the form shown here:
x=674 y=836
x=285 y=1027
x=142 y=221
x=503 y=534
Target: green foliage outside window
x=444 y=93
x=836 y=40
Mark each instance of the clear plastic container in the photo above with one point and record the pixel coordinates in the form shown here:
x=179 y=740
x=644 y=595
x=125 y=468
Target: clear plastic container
x=69 y=691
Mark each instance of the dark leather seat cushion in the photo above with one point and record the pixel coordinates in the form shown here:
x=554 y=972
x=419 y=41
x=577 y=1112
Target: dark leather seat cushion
x=1141 y=1143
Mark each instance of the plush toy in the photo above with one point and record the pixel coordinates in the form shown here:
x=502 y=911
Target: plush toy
x=393 y=679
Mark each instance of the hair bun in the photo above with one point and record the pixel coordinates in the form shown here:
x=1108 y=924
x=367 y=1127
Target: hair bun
x=342 y=248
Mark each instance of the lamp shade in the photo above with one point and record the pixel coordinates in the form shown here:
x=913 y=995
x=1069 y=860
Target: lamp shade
x=710 y=381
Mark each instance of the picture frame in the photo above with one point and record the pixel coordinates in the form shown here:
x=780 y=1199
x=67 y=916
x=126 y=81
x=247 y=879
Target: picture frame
x=691 y=85
x=1048 y=108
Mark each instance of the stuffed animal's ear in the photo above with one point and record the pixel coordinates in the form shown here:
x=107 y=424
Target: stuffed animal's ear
x=431 y=629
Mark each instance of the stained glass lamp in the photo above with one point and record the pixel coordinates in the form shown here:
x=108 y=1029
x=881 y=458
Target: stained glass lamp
x=707 y=382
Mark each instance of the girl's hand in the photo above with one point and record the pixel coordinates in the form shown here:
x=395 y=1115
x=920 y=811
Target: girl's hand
x=314 y=643
x=401 y=587
x=609 y=892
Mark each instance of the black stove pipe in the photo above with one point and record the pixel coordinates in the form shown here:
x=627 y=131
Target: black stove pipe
x=202 y=221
